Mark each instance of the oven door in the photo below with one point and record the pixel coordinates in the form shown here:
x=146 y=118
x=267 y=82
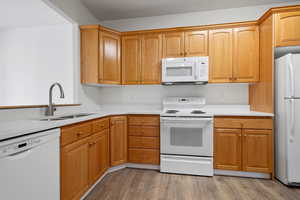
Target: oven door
x=179 y=72
x=186 y=136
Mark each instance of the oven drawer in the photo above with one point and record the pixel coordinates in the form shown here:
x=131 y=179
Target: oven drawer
x=144 y=142
x=186 y=165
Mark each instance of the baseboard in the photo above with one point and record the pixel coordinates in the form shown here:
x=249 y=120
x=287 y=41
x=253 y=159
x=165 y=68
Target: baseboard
x=116 y=168
x=143 y=166
x=242 y=174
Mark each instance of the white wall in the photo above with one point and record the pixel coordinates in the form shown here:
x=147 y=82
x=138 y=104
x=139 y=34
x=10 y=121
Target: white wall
x=215 y=94
x=33 y=58
x=192 y=19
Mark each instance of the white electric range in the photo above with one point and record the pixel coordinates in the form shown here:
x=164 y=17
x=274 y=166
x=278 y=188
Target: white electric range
x=186 y=137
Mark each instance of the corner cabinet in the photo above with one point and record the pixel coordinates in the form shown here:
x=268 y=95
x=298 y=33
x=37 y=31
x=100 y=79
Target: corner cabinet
x=234 y=55
x=185 y=44
x=244 y=144
x=118 y=140
x=100 y=55
x=287 y=31
x=141 y=59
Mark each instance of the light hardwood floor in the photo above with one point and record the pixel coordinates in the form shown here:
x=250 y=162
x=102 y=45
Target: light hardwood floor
x=137 y=184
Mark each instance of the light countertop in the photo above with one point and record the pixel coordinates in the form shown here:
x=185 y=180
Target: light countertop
x=14 y=128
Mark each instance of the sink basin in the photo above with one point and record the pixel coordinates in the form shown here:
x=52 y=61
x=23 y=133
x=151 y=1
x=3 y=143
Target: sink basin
x=66 y=117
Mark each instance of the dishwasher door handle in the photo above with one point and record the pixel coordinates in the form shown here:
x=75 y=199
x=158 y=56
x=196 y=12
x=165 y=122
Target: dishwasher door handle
x=19 y=155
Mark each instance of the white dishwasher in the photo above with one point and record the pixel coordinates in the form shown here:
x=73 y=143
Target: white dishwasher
x=29 y=167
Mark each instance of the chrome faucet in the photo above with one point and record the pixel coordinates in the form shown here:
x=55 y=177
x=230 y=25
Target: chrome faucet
x=51 y=107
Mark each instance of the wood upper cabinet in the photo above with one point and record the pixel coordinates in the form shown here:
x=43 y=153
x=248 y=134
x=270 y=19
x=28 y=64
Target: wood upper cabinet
x=131 y=59
x=257 y=150
x=151 y=58
x=74 y=169
x=98 y=155
x=220 y=55
x=189 y=43
x=89 y=51
x=196 y=43
x=287 y=31
x=100 y=55
x=227 y=149
x=246 y=54
x=173 y=44
x=110 y=55
x=118 y=140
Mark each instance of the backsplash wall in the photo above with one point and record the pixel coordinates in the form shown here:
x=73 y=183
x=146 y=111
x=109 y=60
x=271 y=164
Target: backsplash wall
x=215 y=94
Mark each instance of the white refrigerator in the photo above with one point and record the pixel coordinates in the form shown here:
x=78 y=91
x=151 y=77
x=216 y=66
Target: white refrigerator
x=287 y=116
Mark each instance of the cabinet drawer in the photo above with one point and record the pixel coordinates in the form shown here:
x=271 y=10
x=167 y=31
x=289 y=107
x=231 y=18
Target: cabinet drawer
x=75 y=132
x=144 y=156
x=144 y=120
x=144 y=142
x=151 y=131
x=228 y=123
x=100 y=124
x=257 y=123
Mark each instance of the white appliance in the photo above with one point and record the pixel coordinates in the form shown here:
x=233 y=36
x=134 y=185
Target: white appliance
x=29 y=167
x=188 y=70
x=186 y=137
x=287 y=130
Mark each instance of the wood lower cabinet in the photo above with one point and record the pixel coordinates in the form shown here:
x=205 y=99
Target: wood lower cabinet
x=75 y=169
x=244 y=144
x=227 y=149
x=98 y=155
x=100 y=55
x=220 y=55
x=287 y=32
x=85 y=158
x=143 y=140
x=118 y=140
x=257 y=150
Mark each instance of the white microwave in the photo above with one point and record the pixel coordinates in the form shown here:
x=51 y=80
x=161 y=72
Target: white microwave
x=187 y=70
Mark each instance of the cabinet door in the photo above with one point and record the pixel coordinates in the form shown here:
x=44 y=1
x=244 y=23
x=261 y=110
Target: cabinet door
x=99 y=155
x=227 y=149
x=151 y=59
x=246 y=54
x=89 y=51
x=220 y=56
x=173 y=44
x=196 y=43
x=118 y=140
x=110 y=65
x=257 y=150
x=131 y=59
x=74 y=169
x=287 y=31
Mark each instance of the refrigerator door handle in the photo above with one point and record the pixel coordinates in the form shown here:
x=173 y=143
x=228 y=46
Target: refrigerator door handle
x=291 y=73
x=292 y=113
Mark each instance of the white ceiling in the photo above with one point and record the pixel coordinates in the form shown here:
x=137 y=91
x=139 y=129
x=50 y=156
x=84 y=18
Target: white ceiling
x=22 y=13
x=120 y=9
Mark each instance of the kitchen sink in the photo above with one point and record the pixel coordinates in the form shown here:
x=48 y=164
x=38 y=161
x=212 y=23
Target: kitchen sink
x=66 y=117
